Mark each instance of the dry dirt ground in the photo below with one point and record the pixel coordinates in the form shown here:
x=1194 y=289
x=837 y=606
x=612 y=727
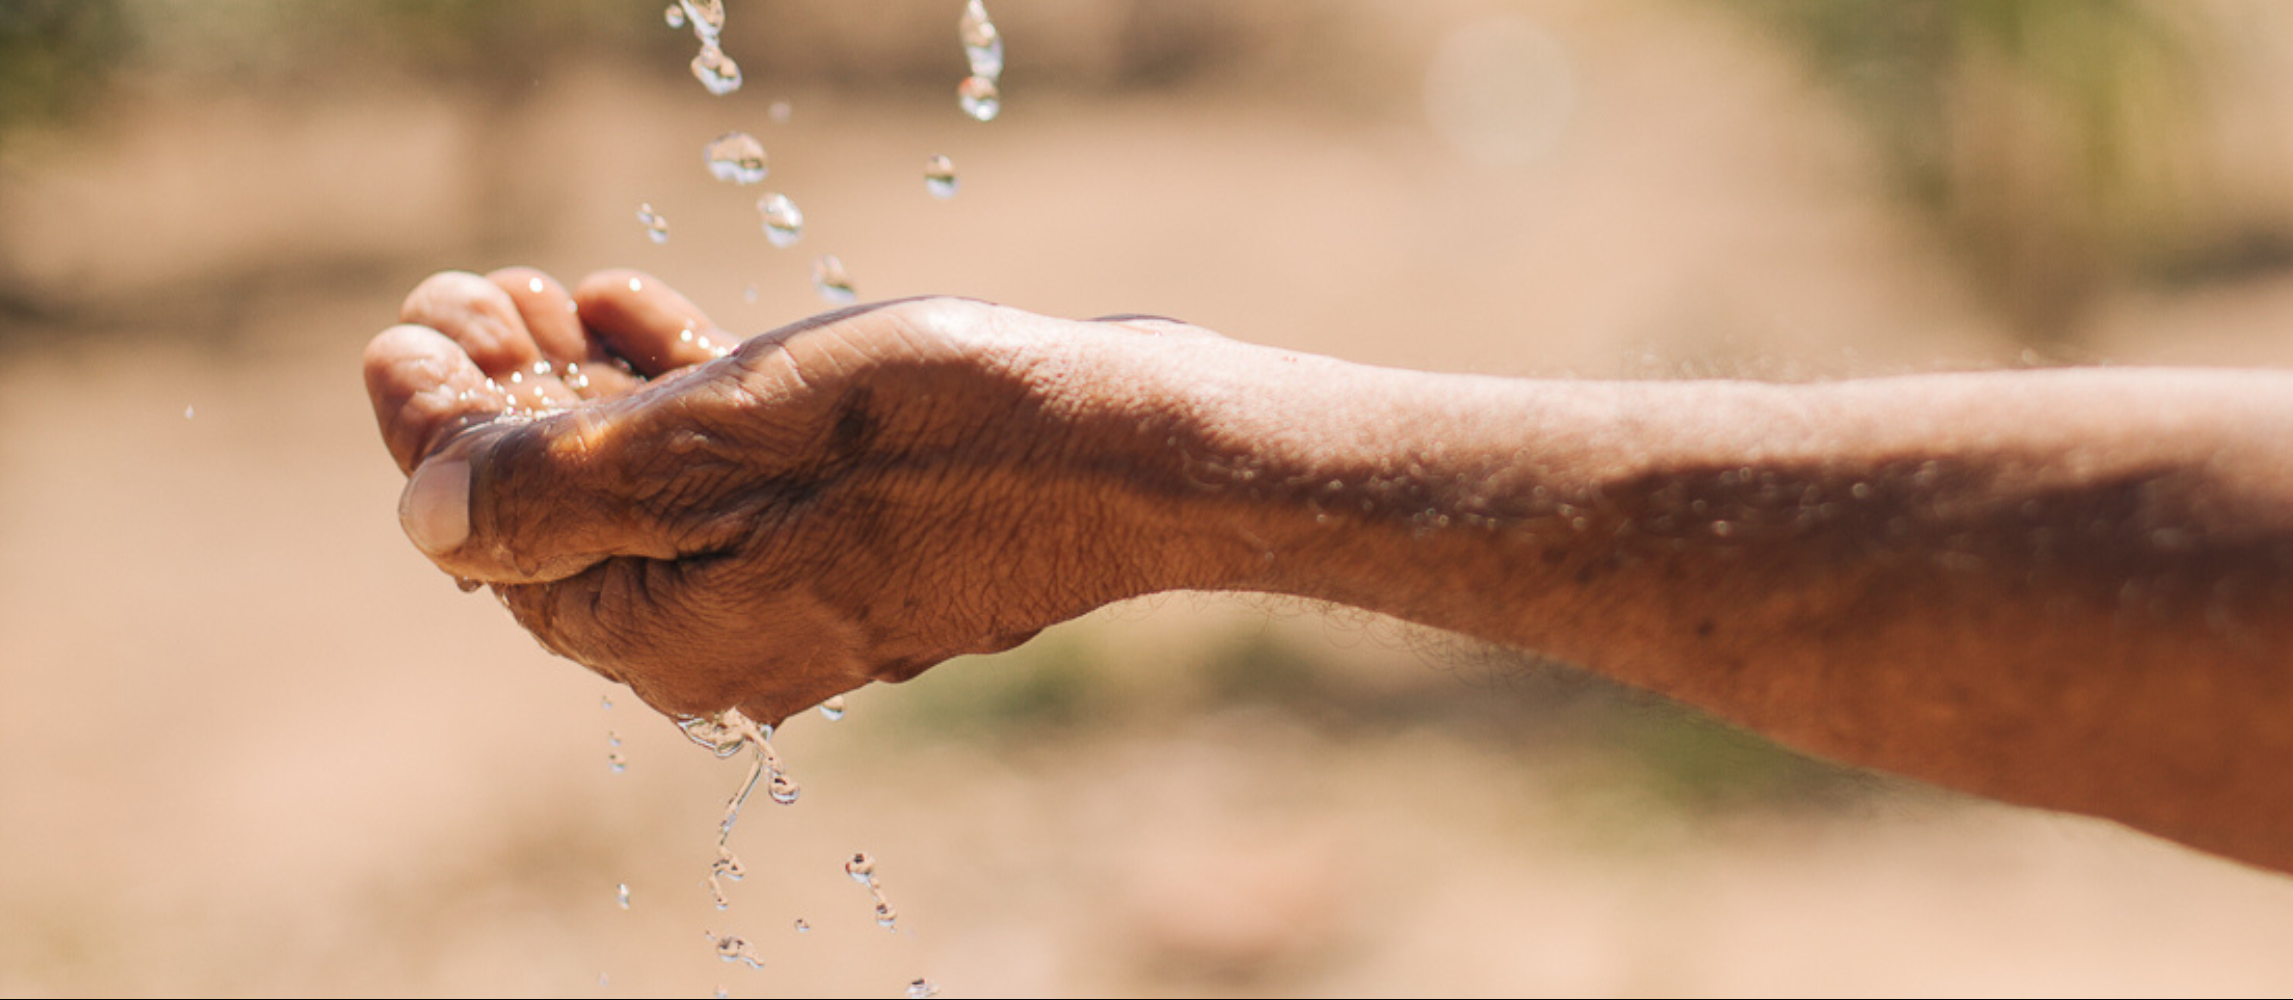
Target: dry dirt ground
x=250 y=743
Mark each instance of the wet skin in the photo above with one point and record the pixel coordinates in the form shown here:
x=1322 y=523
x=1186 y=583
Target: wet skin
x=2071 y=589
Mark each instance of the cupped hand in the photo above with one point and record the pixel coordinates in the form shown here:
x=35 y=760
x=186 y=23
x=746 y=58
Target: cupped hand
x=759 y=524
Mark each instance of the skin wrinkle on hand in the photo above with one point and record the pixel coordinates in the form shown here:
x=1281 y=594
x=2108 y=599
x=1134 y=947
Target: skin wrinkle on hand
x=1907 y=569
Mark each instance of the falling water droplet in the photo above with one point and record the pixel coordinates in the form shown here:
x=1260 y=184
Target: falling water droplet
x=982 y=44
x=833 y=708
x=939 y=177
x=656 y=227
x=886 y=917
x=779 y=111
x=748 y=291
x=716 y=71
x=980 y=98
x=783 y=221
x=832 y=282
x=732 y=949
x=605 y=701
x=782 y=789
x=621 y=895
x=922 y=989
x=616 y=763
x=187 y=413
x=723 y=994
x=737 y=157
x=726 y=868
x=802 y=927
x=707 y=16
x=862 y=868
x=675 y=15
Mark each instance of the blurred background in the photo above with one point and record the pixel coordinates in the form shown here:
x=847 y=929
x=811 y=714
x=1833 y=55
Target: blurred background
x=251 y=743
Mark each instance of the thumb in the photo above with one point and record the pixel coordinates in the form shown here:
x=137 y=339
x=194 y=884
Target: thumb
x=528 y=502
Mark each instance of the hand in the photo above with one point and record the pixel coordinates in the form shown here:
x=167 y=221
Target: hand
x=761 y=524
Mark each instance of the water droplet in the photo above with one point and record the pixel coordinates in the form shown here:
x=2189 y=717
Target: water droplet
x=922 y=988
x=726 y=868
x=832 y=282
x=783 y=221
x=721 y=735
x=604 y=979
x=715 y=70
x=783 y=790
x=467 y=585
x=542 y=368
x=802 y=927
x=779 y=111
x=534 y=285
x=980 y=98
x=833 y=708
x=886 y=917
x=737 y=157
x=862 y=868
x=939 y=177
x=732 y=949
x=748 y=292
x=723 y=994
x=685 y=335
x=635 y=285
x=982 y=44
x=187 y=413
x=616 y=763
x=656 y=228
x=675 y=15
x=605 y=701
x=621 y=895
x=707 y=16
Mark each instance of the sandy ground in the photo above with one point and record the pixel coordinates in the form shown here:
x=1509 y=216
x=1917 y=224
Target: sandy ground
x=252 y=744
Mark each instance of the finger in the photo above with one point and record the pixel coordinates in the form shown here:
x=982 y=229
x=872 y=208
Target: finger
x=579 y=360
x=648 y=323
x=531 y=501
x=425 y=389
x=476 y=314
x=547 y=311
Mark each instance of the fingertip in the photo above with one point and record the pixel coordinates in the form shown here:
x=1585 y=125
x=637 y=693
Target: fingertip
x=475 y=313
x=423 y=387
x=434 y=510
x=647 y=322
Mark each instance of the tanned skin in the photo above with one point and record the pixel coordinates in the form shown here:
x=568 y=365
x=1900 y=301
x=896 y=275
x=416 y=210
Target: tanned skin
x=2070 y=589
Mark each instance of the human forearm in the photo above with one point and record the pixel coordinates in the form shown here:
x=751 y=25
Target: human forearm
x=2068 y=588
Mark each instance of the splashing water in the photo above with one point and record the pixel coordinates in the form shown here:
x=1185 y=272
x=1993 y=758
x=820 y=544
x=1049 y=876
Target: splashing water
x=939 y=177
x=802 y=927
x=782 y=789
x=656 y=227
x=621 y=895
x=980 y=98
x=982 y=44
x=675 y=15
x=832 y=282
x=726 y=868
x=732 y=948
x=922 y=989
x=783 y=221
x=718 y=735
x=737 y=157
x=833 y=708
x=716 y=71
x=862 y=869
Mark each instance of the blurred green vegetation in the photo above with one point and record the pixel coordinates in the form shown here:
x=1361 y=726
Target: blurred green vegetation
x=2051 y=140
x=1066 y=686
x=54 y=54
